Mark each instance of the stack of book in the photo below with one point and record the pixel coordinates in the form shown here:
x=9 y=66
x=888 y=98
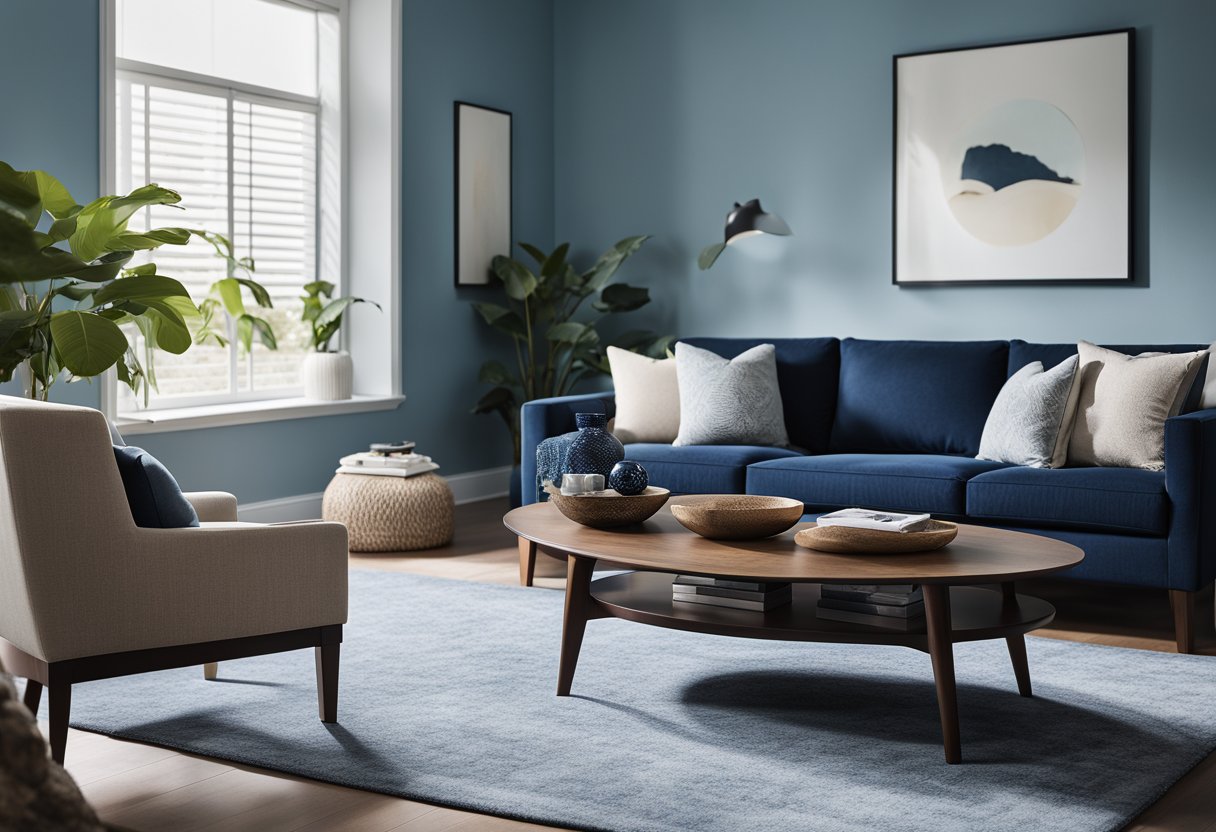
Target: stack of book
x=722 y=592
x=387 y=465
x=894 y=607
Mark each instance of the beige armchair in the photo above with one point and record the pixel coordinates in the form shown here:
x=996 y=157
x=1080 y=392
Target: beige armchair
x=85 y=594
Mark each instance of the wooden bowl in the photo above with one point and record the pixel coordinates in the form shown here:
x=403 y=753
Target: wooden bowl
x=845 y=540
x=736 y=516
x=607 y=509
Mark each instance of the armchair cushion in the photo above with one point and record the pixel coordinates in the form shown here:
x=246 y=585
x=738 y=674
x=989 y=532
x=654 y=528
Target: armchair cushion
x=155 y=499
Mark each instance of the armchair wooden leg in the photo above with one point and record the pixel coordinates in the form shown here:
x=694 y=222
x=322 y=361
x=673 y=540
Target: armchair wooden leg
x=33 y=695
x=1183 y=603
x=327 y=681
x=211 y=670
x=61 y=707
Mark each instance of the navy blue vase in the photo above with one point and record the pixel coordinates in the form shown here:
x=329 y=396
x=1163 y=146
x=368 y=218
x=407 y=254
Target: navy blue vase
x=594 y=450
x=628 y=478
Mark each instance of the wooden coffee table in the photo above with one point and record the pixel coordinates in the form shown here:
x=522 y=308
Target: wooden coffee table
x=661 y=548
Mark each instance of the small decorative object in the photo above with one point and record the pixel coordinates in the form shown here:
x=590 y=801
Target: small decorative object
x=573 y=484
x=848 y=540
x=326 y=376
x=736 y=516
x=594 y=450
x=743 y=221
x=609 y=510
x=1013 y=162
x=483 y=190
x=628 y=477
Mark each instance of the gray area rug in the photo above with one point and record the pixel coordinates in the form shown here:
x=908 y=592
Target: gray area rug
x=447 y=695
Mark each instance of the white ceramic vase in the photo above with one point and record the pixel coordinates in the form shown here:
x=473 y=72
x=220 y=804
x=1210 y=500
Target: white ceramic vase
x=328 y=376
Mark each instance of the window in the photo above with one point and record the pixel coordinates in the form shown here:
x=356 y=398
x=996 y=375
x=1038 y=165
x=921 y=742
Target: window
x=243 y=118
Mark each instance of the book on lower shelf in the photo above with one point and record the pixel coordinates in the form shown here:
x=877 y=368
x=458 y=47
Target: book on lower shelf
x=887 y=622
x=757 y=596
x=889 y=610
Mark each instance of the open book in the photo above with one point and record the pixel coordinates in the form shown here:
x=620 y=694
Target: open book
x=887 y=521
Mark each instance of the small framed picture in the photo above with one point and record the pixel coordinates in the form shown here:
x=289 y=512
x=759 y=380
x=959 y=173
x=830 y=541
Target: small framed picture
x=1013 y=163
x=483 y=190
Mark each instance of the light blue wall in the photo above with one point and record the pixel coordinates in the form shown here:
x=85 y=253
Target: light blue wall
x=483 y=51
x=669 y=111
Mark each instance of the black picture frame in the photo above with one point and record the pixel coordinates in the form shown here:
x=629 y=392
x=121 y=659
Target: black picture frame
x=1006 y=263
x=491 y=230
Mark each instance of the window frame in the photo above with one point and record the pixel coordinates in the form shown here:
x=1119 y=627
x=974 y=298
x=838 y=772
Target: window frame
x=370 y=232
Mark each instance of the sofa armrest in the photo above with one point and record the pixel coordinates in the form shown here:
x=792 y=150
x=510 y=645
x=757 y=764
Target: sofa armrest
x=1190 y=480
x=213 y=506
x=540 y=419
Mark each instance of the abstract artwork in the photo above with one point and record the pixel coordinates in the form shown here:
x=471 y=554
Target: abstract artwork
x=1013 y=163
x=483 y=190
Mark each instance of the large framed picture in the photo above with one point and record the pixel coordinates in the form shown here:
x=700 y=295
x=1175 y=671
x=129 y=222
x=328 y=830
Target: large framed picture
x=483 y=190
x=1013 y=163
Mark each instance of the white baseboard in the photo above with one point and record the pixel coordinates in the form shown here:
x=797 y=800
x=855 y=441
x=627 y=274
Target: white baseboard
x=466 y=488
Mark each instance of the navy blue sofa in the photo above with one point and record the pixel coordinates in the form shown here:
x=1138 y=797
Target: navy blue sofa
x=896 y=425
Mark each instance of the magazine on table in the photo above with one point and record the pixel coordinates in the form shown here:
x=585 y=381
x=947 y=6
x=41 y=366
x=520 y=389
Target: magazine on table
x=886 y=521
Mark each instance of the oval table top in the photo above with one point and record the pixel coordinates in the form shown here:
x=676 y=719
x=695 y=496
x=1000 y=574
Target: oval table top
x=978 y=555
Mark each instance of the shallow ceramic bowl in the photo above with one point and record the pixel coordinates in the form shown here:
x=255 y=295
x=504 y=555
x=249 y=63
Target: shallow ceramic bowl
x=736 y=516
x=845 y=540
x=607 y=509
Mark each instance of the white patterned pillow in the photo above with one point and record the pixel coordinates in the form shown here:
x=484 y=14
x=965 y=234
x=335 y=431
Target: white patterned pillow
x=729 y=401
x=1031 y=419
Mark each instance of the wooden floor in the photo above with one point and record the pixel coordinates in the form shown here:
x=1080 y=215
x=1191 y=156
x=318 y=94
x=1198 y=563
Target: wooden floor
x=145 y=788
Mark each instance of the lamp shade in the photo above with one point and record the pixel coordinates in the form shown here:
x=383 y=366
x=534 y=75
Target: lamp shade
x=743 y=221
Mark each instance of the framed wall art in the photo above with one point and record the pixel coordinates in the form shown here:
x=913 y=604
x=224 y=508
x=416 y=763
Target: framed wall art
x=483 y=190
x=1013 y=163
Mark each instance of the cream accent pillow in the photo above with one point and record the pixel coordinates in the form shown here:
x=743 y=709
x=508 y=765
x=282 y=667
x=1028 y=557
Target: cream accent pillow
x=647 y=397
x=1123 y=404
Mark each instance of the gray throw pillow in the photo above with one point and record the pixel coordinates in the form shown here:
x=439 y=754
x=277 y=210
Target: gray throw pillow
x=1031 y=419
x=729 y=401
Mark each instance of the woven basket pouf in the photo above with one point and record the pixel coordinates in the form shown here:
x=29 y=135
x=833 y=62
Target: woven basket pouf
x=391 y=514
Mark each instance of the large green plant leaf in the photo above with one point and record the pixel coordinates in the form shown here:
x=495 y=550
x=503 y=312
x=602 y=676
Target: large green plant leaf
x=162 y=326
x=571 y=332
x=598 y=276
x=249 y=325
x=88 y=344
x=106 y=218
x=23 y=260
x=499 y=400
x=621 y=297
x=144 y=240
x=140 y=288
x=27 y=193
x=518 y=281
x=332 y=313
x=502 y=319
x=554 y=262
x=537 y=255
x=495 y=372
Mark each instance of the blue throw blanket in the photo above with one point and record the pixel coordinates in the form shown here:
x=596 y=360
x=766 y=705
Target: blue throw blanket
x=551 y=455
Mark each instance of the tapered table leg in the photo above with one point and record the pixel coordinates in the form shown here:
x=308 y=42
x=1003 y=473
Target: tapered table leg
x=1017 y=646
x=527 y=561
x=580 y=608
x=33 y=695
x=61 y=708
x=941 y=651
x=211 y=670
x=327 y=657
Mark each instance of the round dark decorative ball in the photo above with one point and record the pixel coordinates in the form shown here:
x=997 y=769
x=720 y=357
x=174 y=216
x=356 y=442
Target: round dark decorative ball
x=628 y=478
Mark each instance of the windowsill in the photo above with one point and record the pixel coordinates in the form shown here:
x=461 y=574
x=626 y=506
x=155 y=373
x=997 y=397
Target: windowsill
x=247 y=413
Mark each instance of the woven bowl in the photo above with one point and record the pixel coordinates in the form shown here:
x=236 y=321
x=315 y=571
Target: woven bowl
x=607 y=509
x=848 y=541
x=736 y=516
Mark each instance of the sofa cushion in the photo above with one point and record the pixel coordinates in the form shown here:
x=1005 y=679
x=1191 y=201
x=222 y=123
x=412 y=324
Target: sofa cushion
x=1105 y=499
x=916 y=396
x=700 y=469
x=808 y=371
x=155 y=498
x=895 y=482
x=1022 y=353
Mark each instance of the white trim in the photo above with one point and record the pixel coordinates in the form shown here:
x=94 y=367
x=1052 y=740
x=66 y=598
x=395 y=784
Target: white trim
x=169 y=76
x=107 y=172
x=470 y=487
x=246 y=413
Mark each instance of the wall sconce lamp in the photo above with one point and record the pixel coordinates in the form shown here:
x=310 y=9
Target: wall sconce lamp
x=744 y=221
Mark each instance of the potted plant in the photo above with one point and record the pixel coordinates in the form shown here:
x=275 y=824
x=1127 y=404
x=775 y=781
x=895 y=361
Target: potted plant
x=553 y=350
x=327 y=375
x=61 y=309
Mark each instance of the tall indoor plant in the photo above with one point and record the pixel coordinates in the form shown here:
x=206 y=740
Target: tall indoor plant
x=555 y=346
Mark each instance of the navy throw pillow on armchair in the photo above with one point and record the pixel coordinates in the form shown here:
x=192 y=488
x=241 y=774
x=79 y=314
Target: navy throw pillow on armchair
x=155 y=498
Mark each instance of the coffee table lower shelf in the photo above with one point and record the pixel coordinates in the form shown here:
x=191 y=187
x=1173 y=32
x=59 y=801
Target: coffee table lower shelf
x=952 y=614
